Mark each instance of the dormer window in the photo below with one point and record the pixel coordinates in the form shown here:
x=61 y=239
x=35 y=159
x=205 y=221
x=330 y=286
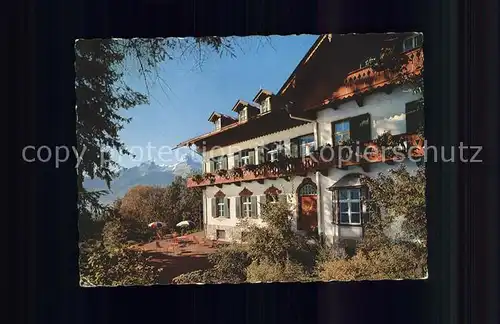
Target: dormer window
x=243 y=114
x=265 y=106
x=218 y=124
x=412 y=42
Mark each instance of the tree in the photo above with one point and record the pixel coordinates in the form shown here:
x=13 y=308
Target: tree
x=101 y=92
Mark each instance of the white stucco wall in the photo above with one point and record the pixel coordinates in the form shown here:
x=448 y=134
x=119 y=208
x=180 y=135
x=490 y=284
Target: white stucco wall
x=387 y=112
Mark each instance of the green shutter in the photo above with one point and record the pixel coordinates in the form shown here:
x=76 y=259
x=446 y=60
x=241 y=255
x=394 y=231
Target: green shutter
x=212 y=166
x=364 y=205
x=236 y=160
x=360 y=128
x=253 y=199
x=414 y=116
x=214 y=207
x=204 y=167
x=335 y=206
x=237 y=204
x=227 y=208
x=224 y=162
x=262 y=201
x=294 y=147
x=262 y=154
x=251 y=154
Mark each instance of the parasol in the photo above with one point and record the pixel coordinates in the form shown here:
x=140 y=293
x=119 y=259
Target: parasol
x=156 y=225
x=185 y=223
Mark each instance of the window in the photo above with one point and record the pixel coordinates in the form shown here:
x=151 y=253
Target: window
x=270 y=198
x=221 y=234
x=246 y=203
x=218 y=124
x=266 y=105
x=342 y=131
x=218 y=163
x=350 y=206
x=412 y=42
x=306 y=145
x=245 y=158
x=243 y=114
x=221 y=207
x=273 y=152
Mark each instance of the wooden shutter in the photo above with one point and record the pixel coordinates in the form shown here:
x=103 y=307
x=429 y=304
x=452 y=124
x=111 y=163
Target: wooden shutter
x=236 y=160
x=294 y=147
x=364 y=205
x=414 y=116
x=360 y=128
x=227 y=208
x=224 y=162
x=262 y=154
x=262 y=201
x=204 y=167
x=212 y=166
x=335 y=206
x=253 y=199
x=251 y=154
x=237 y=204
x=214 y=207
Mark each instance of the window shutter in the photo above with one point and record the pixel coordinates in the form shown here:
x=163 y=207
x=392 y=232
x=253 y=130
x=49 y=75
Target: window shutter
x=227 y=208
x=224 y=162
x=294 y=147
x=335 y=206
x=251 y=154
x=414 y=116
x=204 y=167
x=237 y=204
x=253 y=199
x=212 y=166
x=262 y=201
x=262 y=154
x=364 y=205
x=236 y=160
x=214 y=207
x=360 y=128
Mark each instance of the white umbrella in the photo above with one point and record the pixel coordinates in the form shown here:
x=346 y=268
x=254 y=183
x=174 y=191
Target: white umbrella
x=185 y=223
x=156 y=225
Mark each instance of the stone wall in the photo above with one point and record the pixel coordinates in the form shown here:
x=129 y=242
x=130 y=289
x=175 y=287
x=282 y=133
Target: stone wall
x=232 y=232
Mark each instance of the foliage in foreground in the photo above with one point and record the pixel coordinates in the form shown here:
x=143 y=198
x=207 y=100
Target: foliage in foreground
x=100 y=266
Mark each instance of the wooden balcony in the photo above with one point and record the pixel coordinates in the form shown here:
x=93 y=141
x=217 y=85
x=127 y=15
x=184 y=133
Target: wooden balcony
x=370 y=153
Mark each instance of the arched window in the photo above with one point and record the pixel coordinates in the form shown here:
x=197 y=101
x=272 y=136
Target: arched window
x=308 y=189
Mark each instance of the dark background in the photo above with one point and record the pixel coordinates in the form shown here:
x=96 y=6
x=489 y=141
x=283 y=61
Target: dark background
x=461 y=58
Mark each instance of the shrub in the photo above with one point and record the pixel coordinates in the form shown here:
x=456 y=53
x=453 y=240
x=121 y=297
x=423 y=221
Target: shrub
x=275 y=272
x=102 y=267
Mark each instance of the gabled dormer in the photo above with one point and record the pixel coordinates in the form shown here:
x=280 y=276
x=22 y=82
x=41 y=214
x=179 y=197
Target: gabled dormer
x=221 y=120
x=263 y=98
x=245 y=110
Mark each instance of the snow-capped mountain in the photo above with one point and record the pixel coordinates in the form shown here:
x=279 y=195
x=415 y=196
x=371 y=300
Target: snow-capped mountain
x=147 y=173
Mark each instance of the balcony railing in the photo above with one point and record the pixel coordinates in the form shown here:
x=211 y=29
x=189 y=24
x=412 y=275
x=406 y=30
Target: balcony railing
x=324 y=158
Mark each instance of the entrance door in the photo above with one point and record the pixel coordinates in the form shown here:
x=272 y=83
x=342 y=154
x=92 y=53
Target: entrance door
x=308 y=207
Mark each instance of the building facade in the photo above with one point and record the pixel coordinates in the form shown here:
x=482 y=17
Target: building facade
x=287 y=145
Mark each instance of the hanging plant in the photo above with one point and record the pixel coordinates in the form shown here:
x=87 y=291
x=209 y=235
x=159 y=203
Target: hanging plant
x=210 y=177
x=250 y=167
x=389 y=144
x=222 y=173
x=198 y=178
x=235 y=173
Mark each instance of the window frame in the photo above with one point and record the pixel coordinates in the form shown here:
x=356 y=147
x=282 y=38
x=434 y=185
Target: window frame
x=218 y=124
x=342 y=132
x=272 y=199
x=220 y=204
x=416 y=41
x=265 y=106
x=217 y=234
x=245 y=203
x=244 y=159
x=350 y=201
x=243 y=115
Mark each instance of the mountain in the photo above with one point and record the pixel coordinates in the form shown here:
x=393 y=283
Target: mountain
x=147 y=173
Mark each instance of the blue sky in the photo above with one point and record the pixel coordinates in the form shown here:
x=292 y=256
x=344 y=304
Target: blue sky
x=180 y=106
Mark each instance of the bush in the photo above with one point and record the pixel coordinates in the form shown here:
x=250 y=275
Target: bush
x=392 y=261
x=274 y=272
x=101 y=267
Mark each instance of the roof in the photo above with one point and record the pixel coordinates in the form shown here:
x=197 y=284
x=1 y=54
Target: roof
x=349 y=180
x=211 y=118
x=244 y=103
x=304 y=60
x=260 y=93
